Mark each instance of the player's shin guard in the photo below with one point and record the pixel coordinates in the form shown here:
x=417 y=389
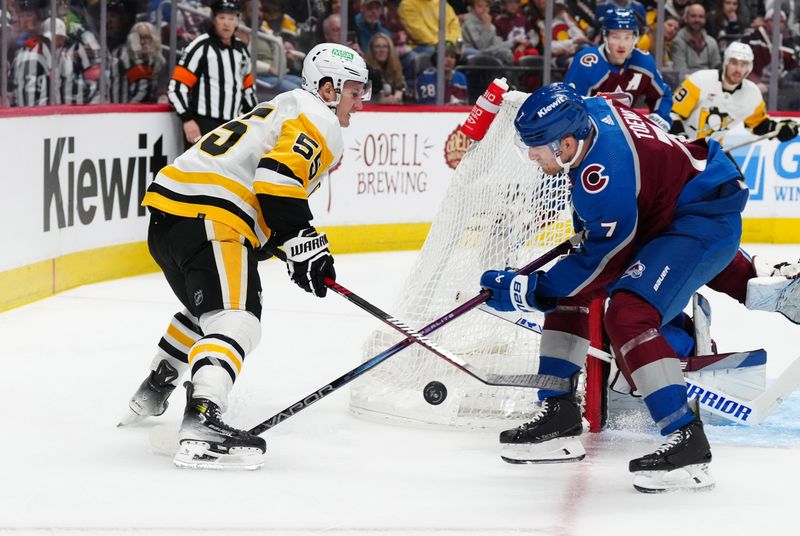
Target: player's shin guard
x=680 y=463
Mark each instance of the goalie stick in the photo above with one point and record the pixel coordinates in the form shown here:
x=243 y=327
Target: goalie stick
x=713 y=399
x=341 y=381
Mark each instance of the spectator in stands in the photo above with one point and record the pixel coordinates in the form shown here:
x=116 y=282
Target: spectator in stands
x=27 y=21
x=421 y=20
x=382 y=60
x=267 y=64
x=144 y=61
x=676 y=8
x=455 y=85
x=515 y=27
x=83 y=49
x=693 y=48
x=285 y=27
x=726 y=19
x=480 y=34
x=33 y=62
x=567 y=37
x=788 y=74
x=213 y=82
x=368 y=22
x=671 y=27
x=120 y=16
x=332 y=32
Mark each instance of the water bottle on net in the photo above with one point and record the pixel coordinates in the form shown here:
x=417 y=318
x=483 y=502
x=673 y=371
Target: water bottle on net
x=485 y=110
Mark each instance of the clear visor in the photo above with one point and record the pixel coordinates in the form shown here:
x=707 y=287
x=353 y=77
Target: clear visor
x=366 y=91
x=522 y=149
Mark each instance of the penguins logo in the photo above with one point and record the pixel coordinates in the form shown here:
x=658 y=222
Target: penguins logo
x=593 y=179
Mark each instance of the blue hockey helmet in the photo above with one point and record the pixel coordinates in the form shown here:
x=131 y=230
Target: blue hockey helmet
x=550 y=113
x=620 y=18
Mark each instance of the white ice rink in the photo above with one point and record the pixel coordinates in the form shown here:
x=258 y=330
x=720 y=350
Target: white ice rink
x=69 y=364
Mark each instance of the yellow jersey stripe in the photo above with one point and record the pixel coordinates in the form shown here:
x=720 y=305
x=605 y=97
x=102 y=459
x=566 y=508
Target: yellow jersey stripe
x=213 y=213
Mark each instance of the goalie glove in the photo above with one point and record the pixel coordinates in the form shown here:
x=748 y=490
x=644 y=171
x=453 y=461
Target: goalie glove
x=309 y=261
x=662 y=123
x=511 y=291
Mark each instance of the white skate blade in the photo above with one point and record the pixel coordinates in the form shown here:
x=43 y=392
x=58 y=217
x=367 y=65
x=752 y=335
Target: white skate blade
x=561 y=450
x=131 y=418
x=689 y=478
x=197 y=455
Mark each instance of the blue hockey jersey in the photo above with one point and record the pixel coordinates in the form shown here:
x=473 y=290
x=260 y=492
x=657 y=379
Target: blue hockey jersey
x=628 y=188
x=591 y=73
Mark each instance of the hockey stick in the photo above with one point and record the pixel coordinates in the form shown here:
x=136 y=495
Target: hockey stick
x=371 y=363
x=767 y=136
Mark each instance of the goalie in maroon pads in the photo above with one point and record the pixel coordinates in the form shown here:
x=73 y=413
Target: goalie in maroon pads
x=655 y=228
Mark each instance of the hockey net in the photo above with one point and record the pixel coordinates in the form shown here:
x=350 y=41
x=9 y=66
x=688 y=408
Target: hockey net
x=500 y=210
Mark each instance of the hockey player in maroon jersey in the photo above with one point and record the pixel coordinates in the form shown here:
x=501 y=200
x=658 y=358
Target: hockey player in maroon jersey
x=660 y=218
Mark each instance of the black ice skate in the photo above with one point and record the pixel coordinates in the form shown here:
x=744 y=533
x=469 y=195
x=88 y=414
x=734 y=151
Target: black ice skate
x=551 y=437
x=680 y=463
x=208 y=443
x=150 y=400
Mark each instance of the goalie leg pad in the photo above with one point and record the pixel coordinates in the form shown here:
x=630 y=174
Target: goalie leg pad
x=775 y=294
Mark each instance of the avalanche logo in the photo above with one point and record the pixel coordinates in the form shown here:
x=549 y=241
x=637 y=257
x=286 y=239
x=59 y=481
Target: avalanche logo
x=634 y=271
x=589 y=59
x=593 y=179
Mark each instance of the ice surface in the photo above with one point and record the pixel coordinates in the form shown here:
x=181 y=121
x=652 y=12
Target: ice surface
x=69 y=364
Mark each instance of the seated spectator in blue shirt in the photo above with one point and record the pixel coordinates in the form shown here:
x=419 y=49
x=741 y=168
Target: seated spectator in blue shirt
x=368 y=22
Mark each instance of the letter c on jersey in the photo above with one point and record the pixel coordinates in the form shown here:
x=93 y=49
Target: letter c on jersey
x=589 y=59
x=593 y=179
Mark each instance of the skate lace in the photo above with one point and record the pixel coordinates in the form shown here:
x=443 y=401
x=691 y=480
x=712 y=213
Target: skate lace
x=672 y=440
x=538 y=417
x=216 y=415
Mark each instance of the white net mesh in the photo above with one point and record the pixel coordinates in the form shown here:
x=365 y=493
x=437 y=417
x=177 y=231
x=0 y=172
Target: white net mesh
x=500 y=210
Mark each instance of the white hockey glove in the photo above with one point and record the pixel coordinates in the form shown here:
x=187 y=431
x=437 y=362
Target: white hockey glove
x=662 y=123
x=309 y=261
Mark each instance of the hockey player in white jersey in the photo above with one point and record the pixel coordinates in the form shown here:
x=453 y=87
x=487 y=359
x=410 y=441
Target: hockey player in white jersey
x=222 y=206
x=710 y=102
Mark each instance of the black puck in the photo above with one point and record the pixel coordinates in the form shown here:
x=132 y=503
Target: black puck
x=434 y=393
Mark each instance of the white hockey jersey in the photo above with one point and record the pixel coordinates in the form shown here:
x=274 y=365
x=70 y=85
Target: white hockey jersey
x=255 y=173
x=707 y=110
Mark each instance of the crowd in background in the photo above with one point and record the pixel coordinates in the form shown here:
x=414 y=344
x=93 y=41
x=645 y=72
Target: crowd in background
x=397 y=38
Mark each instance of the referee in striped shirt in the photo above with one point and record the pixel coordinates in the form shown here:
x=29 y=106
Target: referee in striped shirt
x=213 y=82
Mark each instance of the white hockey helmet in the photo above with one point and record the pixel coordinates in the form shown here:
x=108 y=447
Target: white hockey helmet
x=739 y=51
x=337 y=62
